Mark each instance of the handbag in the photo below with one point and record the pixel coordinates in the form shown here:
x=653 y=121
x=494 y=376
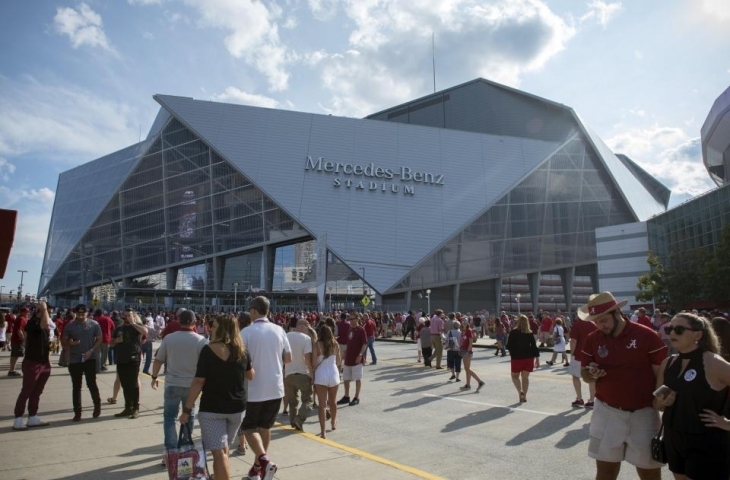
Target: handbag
x=658 y=454
x=186 y=462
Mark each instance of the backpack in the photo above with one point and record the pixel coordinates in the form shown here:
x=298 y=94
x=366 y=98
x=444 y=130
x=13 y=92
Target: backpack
x=451 y=342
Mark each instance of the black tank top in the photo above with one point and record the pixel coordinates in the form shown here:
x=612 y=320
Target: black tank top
x=694 y=394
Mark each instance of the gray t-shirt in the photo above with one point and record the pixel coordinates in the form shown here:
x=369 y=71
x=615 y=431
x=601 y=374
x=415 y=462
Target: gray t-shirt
x=87 y=332
x=180 y=350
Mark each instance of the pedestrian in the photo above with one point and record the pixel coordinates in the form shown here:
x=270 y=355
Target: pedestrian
x=269 y=350
x=36 y=369
x=410 y=325
x=83 y=338
x=500 y=333
x=352 y=371
x=107 y=326
x=222 y=368
x=623 y=359
x=578 y=335
x=3 y=330
x=17 y=340
x=466 y=352
x=453 y=355
x=424 y=339
x=343 y=336
x=327 y=377
x=180 y=352
x=695 y=386
x=558 y=344
x=369 y=326
x=128 y=345
x=437 y=330
x=523 y=351
x=298 y=375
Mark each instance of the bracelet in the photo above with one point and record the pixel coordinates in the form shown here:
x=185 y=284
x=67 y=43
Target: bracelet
x=187 y=410
x=154 y=377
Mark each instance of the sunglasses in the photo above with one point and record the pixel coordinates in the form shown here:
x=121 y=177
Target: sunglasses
x=679 y=329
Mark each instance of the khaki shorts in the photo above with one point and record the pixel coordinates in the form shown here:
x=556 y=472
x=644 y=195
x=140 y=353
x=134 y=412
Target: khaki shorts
x=350 y=374
x=617 y=435
x=574 y=368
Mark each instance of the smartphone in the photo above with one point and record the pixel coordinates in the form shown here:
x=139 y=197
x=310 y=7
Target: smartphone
x=662 y=391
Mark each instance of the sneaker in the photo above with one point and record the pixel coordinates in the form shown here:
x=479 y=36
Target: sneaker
x=355 y=401
x=327 y=414
x=104 y=369
x=452 y=377
x=97 y=410
x=589 y=405
x=254 y=473
x=124 y=413
x=479 y=387
x=134 y=414
x=465 y=387
x=457 y=380
x=77 y=417
x=13 y=373
x=297 y=424
x=343 y=401
x=35 y=421
x=268 y=468
x=578 y=403
x=19 y=425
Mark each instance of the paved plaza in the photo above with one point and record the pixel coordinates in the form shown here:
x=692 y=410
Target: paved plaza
x=412 y=423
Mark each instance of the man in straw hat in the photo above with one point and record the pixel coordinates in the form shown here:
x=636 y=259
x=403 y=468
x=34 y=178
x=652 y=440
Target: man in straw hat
x=623 y=360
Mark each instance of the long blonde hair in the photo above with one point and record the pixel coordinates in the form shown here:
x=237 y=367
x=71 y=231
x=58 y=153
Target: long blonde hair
x=227 y=333
x=523 y=324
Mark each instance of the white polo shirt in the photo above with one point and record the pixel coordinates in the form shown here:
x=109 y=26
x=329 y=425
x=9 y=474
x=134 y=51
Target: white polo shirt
x=266 y=344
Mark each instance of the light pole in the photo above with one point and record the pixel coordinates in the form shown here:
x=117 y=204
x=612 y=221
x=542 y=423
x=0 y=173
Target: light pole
x=20 y=288
x=518 y=304
x=363 y=280
x=235 y=296
x=1 y=293
x=428 y=301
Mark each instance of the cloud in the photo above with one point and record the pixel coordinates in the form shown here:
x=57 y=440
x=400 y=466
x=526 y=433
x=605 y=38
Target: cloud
x=42 y=195
x=252 y=35
x=83 y=26
x=667 y=153
x=235 y=95
x=323 y=9
x=601 y=11
x=717 y=9
x=62 y=122
x=34 y=217
x=390 y=47
x=6 y=169
x=145 y=2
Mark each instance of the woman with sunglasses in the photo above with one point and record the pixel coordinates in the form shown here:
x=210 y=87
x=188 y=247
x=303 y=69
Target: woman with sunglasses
x=692 y=388
x=222 y=367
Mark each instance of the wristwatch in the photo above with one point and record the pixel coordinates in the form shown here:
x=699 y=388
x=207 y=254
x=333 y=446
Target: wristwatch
x=187 y=410
x=154 y=377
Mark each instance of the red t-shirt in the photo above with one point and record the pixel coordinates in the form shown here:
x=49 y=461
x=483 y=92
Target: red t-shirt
x=466 y=335
x=358 y=338
x=547 y=324
x=172 y=327
x=107 y=327
x=370 y=328
x=627 y=360
x=10 y=321
x=18 y=326
x=343 y=332
x=579 y=332
x=645 y=320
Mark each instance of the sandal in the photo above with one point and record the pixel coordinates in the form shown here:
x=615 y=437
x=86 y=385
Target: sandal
x=523 y=397
x=111 y=400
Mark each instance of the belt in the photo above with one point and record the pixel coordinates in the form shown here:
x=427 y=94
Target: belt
x=629 y=410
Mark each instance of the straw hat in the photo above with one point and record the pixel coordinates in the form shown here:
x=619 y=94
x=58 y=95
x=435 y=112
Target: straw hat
x=599 y=304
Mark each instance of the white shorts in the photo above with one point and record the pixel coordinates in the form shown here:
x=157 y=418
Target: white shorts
x=617 y=435
x=350 y=374
x=574 y=368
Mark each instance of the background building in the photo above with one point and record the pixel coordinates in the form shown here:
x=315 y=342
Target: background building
x=479 y=196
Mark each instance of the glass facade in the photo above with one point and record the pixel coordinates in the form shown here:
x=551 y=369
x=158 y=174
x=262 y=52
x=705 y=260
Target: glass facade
x=695 y=224
x=182 y=203
x=546 y=222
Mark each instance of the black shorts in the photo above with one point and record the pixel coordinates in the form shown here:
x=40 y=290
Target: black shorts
x=16 y=350
x=261 y=414
x=698 y=456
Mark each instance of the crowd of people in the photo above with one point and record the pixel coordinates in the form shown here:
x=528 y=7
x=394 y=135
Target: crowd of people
x=243 y=369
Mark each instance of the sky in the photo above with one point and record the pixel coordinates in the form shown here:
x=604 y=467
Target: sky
x=77 y=78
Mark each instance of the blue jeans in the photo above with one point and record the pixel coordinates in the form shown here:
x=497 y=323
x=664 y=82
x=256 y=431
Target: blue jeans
x=174 y=398
x=371 y=342
x=147 y=350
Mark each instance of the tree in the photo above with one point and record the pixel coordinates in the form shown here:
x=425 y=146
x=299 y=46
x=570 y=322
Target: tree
x=653 y=285
x=685 y=277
